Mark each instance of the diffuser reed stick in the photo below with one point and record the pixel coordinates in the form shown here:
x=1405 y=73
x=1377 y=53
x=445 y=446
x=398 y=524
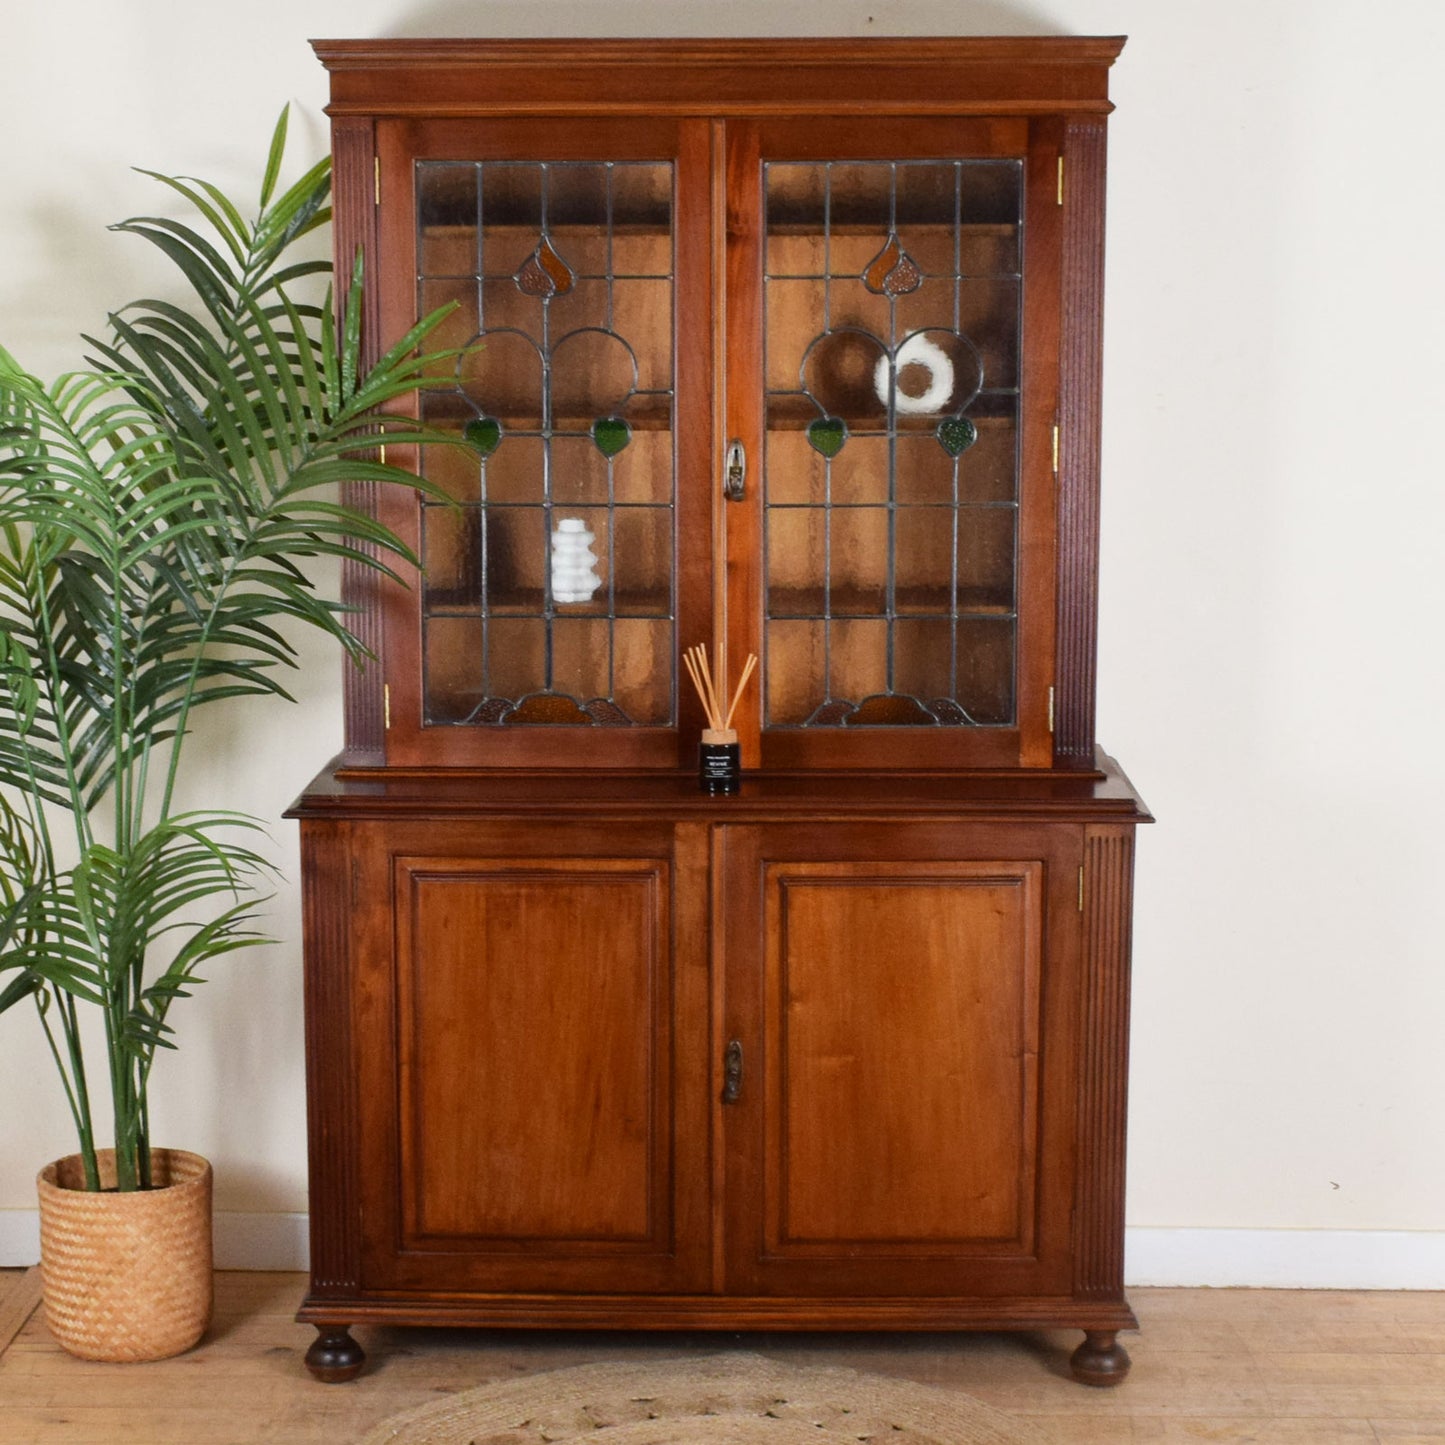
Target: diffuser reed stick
x=748 y=667
x=711 y=691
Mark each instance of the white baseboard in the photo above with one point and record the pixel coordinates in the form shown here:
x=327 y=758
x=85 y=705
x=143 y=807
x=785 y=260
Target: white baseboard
x=19 y=1238
x=1286 y=1258
x=1221 y=1258
x=241 y=1241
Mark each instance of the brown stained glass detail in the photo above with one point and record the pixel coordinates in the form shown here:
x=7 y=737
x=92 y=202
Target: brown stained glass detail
x=551 y=707
x=890 y=710
x=948 y=712
x=490 y=710
x=544 y=273
x=548 y=707
x=607 y=714
x=831 y=714
x=892 y=272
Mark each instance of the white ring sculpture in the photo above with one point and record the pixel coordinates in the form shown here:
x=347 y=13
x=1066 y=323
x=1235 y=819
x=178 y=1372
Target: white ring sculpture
x=917 y=351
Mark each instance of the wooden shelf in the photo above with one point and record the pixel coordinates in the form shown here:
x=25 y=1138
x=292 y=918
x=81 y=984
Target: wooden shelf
x=788 y=411
x=651 y=413
x=911 y=604
x=632 y=606
x=778 y=227
x=451 y=230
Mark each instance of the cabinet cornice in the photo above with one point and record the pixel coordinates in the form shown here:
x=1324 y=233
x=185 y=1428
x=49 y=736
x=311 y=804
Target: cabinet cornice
x=957 y=75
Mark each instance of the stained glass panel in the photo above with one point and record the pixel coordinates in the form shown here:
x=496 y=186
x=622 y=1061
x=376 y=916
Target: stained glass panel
x=550 y=593
x=892 y=339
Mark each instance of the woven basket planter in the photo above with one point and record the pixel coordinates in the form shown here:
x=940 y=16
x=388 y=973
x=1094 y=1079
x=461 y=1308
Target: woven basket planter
x=127 y=1276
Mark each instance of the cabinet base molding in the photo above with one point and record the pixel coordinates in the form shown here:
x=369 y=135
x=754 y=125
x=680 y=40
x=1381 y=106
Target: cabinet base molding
x=707 y=1312
x=335 y=1357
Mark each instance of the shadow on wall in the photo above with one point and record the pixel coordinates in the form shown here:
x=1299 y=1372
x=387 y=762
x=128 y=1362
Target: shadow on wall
x=544 y=18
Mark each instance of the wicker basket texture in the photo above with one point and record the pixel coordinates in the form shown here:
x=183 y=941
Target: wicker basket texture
x=127 y=1276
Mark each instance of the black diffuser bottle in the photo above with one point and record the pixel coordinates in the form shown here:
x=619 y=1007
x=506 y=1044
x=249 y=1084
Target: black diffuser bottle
x=719 y=761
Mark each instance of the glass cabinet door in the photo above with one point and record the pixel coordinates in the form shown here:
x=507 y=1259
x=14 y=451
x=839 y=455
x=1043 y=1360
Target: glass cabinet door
x=869 y=308
x=895 y=503
x=552 y=596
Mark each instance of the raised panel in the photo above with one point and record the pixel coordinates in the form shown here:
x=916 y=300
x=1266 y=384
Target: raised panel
x=531 y=1049
x=906 y=996
x=528 y=1003
x=905 y=1017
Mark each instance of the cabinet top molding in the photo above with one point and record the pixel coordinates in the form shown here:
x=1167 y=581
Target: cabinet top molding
x=856 y=75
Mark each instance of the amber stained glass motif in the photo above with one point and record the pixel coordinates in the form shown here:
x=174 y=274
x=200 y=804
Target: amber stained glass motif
x=892 y=272
x=545 y=273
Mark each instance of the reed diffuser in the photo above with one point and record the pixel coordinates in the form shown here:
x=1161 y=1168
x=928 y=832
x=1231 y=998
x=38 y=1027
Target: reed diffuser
x=719 y=758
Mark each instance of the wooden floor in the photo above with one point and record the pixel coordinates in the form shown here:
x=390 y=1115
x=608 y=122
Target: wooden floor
x=1217 y=1365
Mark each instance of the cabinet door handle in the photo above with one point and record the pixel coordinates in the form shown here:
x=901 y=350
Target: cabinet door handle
x=735 y=471
x=733 y=1072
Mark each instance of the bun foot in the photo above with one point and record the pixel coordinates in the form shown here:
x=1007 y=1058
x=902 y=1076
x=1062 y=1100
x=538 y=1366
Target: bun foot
x=334 y=1357
x=1101 y=1359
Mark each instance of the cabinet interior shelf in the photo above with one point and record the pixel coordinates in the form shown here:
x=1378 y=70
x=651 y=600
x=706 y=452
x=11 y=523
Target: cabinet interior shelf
x=641 y=414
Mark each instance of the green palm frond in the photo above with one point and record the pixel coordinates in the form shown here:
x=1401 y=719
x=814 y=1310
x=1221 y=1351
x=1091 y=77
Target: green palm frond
x=158 y=511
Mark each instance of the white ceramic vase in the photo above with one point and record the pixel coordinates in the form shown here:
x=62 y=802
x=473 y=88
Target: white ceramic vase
x=574 y=563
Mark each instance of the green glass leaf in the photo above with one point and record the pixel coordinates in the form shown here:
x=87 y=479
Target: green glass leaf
x=611 y=434
x=956 y=434
x=483 y=434
x=827 y=435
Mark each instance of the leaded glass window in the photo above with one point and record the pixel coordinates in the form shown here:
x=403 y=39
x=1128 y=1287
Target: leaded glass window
x=550 y=593
x=892 y=296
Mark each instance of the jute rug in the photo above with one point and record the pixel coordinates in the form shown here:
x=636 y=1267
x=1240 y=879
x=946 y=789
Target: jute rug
x=710 y=1400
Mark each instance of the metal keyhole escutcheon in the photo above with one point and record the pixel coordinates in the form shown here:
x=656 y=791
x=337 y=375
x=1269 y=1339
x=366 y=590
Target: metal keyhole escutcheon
x=735 y=472
x=733 y=1072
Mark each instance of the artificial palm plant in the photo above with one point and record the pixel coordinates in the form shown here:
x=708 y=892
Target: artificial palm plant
x=157 y=513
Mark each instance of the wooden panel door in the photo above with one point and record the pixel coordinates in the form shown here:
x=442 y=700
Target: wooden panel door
x=903 y=1001
x=535 y=1116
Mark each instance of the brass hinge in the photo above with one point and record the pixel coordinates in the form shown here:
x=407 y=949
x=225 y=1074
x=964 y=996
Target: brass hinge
x=1056 y=449
x=376 y=175
x=1061 y=180
x=1081 y=887
x=386 y=705
x=1051 y=709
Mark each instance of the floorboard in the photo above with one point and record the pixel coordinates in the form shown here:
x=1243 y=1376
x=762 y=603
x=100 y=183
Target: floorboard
x=1272 y=1367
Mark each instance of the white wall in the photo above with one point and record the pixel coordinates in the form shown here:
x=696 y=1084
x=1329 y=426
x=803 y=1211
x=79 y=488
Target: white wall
x=1270 y=665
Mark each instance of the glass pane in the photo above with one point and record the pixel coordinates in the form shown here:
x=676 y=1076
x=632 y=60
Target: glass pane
x=984 y=659
x=453 y=667
x=516 y=560
x=797 y=561
x=925 y=553
x=796 y=670
x=642 y=544
x=452 y=557
x=923 y=659
x=549 y=595
x=892 y=348
x=858 y=560
x=446 y=197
